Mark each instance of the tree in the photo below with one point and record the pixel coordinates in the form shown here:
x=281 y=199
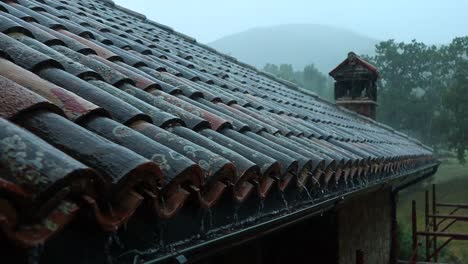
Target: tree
x=421 y=90
x=407 y=89
x=286 y=72
x=456 y=102
x=313 y=79
x=271 y=68
x=309 y=78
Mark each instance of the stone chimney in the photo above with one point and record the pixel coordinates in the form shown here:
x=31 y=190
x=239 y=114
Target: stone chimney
x=355 y=85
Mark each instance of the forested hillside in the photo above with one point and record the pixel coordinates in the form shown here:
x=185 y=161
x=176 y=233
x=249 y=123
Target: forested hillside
x=295 y=44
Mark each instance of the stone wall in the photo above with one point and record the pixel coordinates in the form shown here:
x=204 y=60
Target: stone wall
x=364 y=223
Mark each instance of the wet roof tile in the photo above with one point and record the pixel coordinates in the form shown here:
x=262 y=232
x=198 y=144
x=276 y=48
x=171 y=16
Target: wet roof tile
x=37 y=174
x=16 y=100
x=152 y=115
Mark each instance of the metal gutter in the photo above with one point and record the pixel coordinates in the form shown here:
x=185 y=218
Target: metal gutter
x=416 y=180
x=243 y=235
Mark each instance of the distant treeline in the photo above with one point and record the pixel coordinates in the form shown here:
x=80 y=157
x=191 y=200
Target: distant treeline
x=423 y=90
x=309 y=78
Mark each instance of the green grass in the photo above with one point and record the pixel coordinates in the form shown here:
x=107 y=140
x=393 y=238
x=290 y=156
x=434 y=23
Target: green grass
x=452 y=187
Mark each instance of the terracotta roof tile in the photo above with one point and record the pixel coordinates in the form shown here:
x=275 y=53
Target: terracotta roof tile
x=74 y=106
x=36 y=174
x=17 y=100
x=133 y=117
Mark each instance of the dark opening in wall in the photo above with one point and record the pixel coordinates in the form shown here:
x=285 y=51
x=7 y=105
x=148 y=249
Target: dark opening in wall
x=311 y=241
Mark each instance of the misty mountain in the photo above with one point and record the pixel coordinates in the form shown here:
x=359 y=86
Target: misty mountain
x=296 y=44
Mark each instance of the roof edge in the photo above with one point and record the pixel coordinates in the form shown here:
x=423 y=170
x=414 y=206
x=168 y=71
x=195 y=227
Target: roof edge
x=110 y=2
x=130 y=12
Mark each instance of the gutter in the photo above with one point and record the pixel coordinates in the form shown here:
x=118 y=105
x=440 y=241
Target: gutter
x=201 y=250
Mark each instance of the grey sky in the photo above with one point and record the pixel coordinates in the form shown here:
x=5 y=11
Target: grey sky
x=431 y=21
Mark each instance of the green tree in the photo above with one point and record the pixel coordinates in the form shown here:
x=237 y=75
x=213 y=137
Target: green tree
x=419 y=92
x=313 y=79
x=455 y=101
x=271 y=68
x=409 y=88
x=286 y=72
x=309 y=78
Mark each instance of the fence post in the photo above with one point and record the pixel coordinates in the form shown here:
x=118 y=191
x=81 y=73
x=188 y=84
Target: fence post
x=359 y=257
x=434 y=223
x=414 y=227
x=427 y=227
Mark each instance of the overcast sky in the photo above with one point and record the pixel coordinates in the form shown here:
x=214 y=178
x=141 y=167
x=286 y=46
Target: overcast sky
x=431 y=21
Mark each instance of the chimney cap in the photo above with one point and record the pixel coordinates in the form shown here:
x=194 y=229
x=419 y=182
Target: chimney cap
x=353 y=58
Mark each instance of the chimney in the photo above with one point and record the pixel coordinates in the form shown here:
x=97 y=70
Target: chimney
x=355 y=85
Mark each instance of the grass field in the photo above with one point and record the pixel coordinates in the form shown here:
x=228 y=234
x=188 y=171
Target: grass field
x=452 y=186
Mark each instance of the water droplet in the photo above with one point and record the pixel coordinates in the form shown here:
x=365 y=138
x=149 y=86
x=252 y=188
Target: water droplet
x=34 y=254
x=210 y=217
x=236 y=214
x=116 y=239
x=202 y=225
x=161 y=234
x=285 y=202
x=136 y=259
x=261 y=205
x=111 y=209
x=306 y=190
x=107 y=250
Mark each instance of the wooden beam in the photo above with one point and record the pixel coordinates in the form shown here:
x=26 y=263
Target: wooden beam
x=455 y=236
x=448 y=216
x=461 y=206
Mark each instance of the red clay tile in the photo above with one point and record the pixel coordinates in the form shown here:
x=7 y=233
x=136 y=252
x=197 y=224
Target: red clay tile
x=74 y=107
x=153 y=82
x=16 y=100
x=122 y=168
x=36 y=175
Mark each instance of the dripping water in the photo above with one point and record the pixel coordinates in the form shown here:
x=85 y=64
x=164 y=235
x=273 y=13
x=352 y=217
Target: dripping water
x=236 y=214
x=317 y=185
x=161 y=234
x=337 y=187
x=107 y=250
x=316 y=182
x=136 y=259
x=203 y=228
x=306 y=190
x=34 y=254
x=261 y=205
x=116 y=240
x=112 y=239
x=210 y=218
x=285 y=202
x=202 y=224
x=111 y=209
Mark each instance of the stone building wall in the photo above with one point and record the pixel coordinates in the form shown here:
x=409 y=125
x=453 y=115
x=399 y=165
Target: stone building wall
x=364 y=223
